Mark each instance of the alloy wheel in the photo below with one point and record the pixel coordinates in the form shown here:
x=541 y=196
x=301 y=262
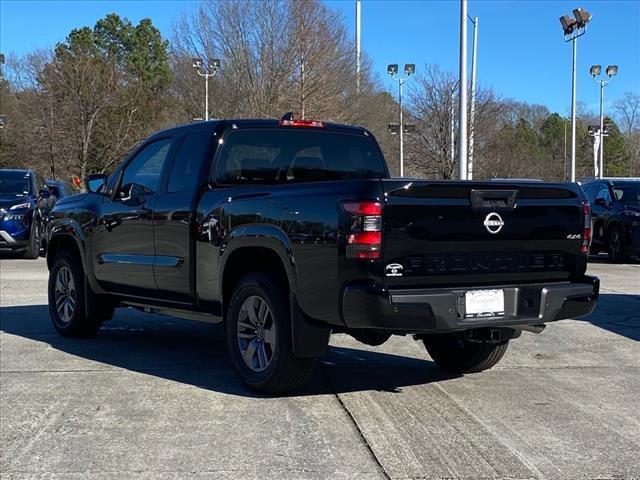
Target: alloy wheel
x=65 y=294
x=256 y=333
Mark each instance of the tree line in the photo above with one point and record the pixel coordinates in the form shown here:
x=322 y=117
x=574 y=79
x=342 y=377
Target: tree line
x=81 y=106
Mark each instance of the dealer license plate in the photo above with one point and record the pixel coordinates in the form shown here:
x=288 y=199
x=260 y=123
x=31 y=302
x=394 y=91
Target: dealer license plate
x=484 y=303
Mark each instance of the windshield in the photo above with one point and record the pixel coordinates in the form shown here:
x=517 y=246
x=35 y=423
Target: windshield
x=629 y=194
x=14 y=185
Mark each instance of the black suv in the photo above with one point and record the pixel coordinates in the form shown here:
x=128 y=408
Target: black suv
x=615 y=210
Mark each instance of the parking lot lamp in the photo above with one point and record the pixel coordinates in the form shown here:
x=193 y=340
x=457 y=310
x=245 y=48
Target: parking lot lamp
x=611 y=72
x=409 y=69
x=572 y=29
x=206 y=70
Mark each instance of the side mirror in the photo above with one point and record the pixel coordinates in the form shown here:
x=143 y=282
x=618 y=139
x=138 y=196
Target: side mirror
x=96 y=182
x=44 y=193
x=601 y=202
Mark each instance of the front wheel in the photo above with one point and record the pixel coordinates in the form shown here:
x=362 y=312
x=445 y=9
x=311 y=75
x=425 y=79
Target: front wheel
x=258 y=329
x=454 y=353
x=67 y=301
x=33 y=249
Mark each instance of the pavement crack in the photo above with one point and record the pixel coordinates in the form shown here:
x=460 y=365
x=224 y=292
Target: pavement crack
x=356 y=425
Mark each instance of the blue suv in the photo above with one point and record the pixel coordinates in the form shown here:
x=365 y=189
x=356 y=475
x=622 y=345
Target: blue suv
x=615 y=213
x=25 y=203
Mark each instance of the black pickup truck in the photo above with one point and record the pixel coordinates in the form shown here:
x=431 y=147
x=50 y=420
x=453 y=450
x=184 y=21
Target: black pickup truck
x=289 y=230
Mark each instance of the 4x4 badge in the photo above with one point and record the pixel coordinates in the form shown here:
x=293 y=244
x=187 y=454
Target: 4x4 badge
x=394 y=270
x=493 y=223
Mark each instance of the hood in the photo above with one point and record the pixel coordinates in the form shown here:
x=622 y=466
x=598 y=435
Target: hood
x=71 y=198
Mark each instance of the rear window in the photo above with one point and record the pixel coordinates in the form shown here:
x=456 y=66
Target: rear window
x=293 y=156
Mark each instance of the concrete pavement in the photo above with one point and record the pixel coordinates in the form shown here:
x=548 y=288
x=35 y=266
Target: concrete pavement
x=153 y=397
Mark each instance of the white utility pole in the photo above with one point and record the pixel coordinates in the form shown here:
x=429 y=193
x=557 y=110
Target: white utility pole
x=462 y=95
x=358 y=47
x=452 y=123
x=400 y=82
x=472 y=111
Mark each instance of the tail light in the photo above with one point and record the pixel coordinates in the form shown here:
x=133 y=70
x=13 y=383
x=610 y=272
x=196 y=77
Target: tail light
x=364 y=240
x=586 y=228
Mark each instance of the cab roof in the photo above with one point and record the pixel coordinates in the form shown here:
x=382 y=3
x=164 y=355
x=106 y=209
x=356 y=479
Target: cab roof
x=215 y=125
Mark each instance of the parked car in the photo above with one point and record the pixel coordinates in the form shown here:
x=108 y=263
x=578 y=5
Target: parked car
x=60 y=188
x=290 y=230
x=615 y=208
x=25 y=203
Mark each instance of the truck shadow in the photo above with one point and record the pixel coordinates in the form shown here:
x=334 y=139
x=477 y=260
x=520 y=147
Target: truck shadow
x=196 y=354
x=618 y=313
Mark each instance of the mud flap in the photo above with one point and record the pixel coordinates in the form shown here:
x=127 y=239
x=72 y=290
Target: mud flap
x=309 y=339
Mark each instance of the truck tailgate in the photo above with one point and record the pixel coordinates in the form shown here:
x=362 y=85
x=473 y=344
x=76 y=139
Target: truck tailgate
x=480 y=233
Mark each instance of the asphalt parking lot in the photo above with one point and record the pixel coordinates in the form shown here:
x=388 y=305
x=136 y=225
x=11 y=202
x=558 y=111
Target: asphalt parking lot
x=156 y=398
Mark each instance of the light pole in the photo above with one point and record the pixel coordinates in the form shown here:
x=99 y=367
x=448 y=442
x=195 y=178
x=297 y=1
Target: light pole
x=611 y=72
x=452 y=124
x=472 y=109
x=206 y=70
x=358 y=47
x=409 y=69
x=462 y=95
x=574 y=28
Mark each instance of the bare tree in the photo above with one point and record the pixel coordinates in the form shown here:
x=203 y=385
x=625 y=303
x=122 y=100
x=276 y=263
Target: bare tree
x=431 y=102
x=628 y=112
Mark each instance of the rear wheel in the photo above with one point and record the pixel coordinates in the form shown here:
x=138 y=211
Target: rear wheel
x=616 y=247
x=454 y=353
x=70 y=314
x=258 y=329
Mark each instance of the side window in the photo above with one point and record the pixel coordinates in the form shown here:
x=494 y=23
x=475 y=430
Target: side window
x=248 y=158
x=590 y=191
x=603 y=192
x=188 y=159
x=143 y=172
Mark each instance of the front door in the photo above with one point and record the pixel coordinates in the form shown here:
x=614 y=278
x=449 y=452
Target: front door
x=122 y=246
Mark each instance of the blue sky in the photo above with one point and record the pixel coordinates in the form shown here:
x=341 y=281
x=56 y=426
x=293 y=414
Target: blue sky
x=521 y=51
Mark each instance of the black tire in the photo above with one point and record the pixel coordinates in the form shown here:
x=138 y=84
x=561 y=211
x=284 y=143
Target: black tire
x=33 y=249
x=615 y=246
x=283 y=372
x=452 y=352
x=80 y=320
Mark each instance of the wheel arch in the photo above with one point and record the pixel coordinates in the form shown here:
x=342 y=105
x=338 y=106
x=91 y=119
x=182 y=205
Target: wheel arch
x=68 y=236
x=256 y=251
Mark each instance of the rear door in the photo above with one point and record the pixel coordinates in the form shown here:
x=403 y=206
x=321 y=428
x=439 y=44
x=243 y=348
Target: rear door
x=174 y=264
x=462 y=233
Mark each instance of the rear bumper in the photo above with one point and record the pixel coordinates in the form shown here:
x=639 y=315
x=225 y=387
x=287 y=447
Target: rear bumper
x=439 y=310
